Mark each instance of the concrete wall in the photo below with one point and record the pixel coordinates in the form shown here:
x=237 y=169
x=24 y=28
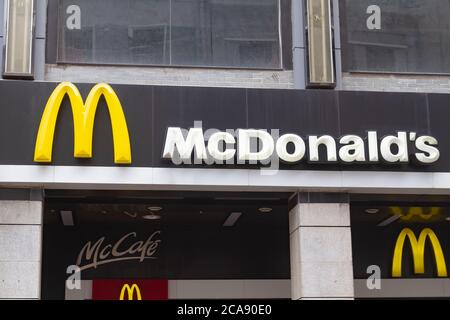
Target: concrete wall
x=171 y=76
x=321 y=248
x=20 y=247
x=396 y=83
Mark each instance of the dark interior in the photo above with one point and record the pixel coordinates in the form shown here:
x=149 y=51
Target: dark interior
x=195 y=244
x=377 y=222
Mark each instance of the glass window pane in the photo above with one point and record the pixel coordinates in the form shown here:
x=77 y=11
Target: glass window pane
x=115 y=31
x=245 y=33
x=240 y=33
x=191 y=32
x=218 y=33
x=397 y=35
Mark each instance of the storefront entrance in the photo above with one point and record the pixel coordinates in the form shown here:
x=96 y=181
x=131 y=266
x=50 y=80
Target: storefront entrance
x=174 y=245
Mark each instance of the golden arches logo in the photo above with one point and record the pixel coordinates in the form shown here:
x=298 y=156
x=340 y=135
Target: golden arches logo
x=83 y=122
x=418 y=250
x=130 y=290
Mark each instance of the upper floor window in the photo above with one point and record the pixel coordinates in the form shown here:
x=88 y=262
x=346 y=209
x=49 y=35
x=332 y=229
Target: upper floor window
x=213 y=33
x=404 y=36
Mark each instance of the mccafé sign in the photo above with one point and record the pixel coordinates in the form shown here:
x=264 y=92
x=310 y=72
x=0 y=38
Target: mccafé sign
x=127 y=248
x=226 y=147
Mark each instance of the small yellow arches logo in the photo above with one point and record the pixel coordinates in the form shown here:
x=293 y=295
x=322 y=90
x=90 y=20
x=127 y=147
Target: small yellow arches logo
x=418 y=250
x=129 y=292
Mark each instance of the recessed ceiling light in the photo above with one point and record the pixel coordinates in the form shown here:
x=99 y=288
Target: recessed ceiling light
x=155 y=209
x=447 y=219
x=152 y=217
x=372 y=211
x=265 y=210
x=104 y=212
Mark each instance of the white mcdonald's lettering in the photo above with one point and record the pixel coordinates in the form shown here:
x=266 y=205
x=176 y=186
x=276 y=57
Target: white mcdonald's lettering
x=392 y=149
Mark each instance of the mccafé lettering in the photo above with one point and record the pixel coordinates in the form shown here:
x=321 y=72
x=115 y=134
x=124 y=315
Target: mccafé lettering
x=225 y=146
x=94 y=255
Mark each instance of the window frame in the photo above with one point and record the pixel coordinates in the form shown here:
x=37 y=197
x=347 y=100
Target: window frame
x=284 y=38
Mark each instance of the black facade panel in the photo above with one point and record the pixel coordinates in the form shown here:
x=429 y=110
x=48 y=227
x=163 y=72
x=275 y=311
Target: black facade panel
x=150 y=110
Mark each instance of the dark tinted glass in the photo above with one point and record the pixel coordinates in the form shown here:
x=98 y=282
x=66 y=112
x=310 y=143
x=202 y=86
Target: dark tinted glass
x=397 y=35
x=223 y=33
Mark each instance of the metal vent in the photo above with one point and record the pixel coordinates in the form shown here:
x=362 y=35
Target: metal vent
x=19 y=39
x=320 y=47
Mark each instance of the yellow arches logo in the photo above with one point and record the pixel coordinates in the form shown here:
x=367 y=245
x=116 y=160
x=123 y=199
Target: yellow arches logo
x=418 y=251
x=130 y=290
x=83 y=122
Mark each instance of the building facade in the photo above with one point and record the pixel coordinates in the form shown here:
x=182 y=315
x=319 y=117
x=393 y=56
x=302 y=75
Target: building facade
x=218 y=149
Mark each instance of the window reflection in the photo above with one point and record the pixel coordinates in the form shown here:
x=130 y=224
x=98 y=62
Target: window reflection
x=240 y=33
x=404 y=36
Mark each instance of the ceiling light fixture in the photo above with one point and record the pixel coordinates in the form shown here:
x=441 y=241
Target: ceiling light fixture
x=265 y=210
x=232 y=219
x=154 y=209
x=389 y=221
x=152 y=217
x=67 y=218
x=372 y=211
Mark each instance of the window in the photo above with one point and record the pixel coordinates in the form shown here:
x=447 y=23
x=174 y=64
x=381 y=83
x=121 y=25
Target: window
x=404 y=36
x=216 y=33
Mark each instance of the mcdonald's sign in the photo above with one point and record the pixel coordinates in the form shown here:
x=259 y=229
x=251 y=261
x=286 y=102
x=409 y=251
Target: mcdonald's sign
x=418 y=251
x=129 y=291
x=83 y=122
